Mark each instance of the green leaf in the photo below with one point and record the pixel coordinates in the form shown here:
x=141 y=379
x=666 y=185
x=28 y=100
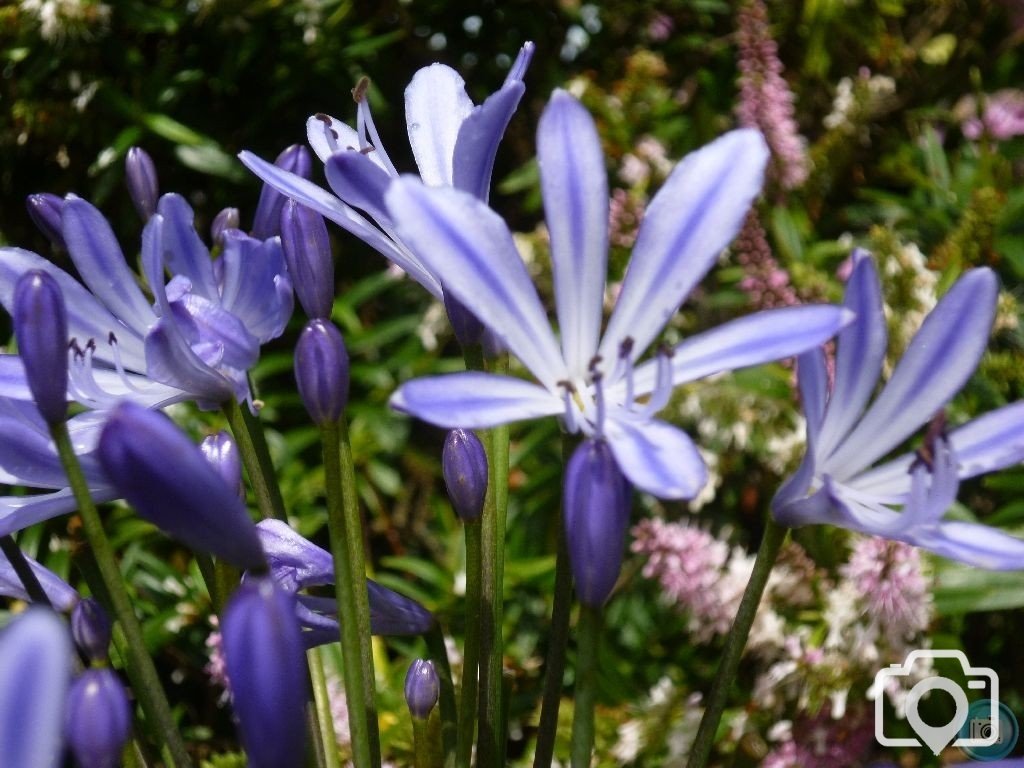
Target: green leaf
x=962 y=589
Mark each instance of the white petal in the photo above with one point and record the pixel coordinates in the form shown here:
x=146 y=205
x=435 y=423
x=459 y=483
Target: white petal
x=657 y=457
x=435 y=106
x=328 y=135
x=474 y=400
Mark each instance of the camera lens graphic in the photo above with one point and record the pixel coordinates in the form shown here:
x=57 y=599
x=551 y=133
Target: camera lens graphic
x=979 y=726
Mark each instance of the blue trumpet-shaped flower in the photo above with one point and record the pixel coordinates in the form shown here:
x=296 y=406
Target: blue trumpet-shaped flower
x=453 y=141
x=905 y=498
x=594 y=381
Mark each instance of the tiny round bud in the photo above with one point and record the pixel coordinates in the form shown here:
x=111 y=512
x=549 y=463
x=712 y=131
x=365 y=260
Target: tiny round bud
x=321 y=371
x=97 y=720
x=44 y=210
x=422 y=688
x=464 y=465
x=140 y=176
x=222 y=453
x=226 y=219
x=307 y=250
x=41 y=328
x=90 y=628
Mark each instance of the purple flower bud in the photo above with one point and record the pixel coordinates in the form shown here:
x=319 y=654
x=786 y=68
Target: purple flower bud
x=596 y=504
x=90 y=628
x=226 y=219
x=468 y=330
x=140 y=176
x=321 y=371
x=422 y=687
x=267 y=221
x=266 y=664
x=222 y=453
x=35 y=668
x=307 y=250
x=41 y=328
x=97 y=721
x=165 y=477
x=464 y=465
x=44 y=210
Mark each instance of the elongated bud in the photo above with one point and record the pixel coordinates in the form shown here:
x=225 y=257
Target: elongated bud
x=41 y=328
x=97 y=721
x=307 y=249
x=221 y=452
x=267 y=221
x=422 y=688
x=35 y=669
x=165 y=477
x=596 y=503
x=44 y=210
x=321 y=371
x=140 y=176
x=464 y=465
x=266 y=664
x=468 y=330
x=90 y=628
x=228 y=218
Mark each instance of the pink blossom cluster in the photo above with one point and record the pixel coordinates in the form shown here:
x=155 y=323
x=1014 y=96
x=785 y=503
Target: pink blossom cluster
x=893 y=589
x=1001 y=119
x=825 y=742
x=215 y=668
x=766 y=101
x=765 y=281
x=624 y=215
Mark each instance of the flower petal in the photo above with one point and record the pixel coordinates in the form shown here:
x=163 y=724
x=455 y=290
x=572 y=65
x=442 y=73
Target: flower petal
x=657 y=457
x=575 y=187
x=479 y=136
x=812 y=378
x=941 y=357
x=250 y=290
x=20 y=512
x=435 y=106
x=359 y=183
x=328 y=135
x=979 y=545
x=473 y=400
x=29 y=456
x=693 y=217
x=469 y=248
x=184 y=252
x=61 y=595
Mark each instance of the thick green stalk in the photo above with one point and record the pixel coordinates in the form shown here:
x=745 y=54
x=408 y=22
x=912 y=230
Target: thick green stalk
x=149 y=691
x=326 y=742
x=426 y=746
x=23 y=570
x=446 y=701
x=735 y=642
x=346 y=533
x=588 y=638
x=471 y=647
x=252 y=446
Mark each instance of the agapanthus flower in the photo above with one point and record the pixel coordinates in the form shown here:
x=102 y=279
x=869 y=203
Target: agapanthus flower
x=903 y=499
x=453 y=141
x=594 y=381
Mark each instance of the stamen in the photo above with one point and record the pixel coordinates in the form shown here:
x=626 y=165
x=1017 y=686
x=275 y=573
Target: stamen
x=571 y=423
x=626 y=359
x=926 y=453
x=663 y=387
x=359 y=92
x=599 y=402
x=365 y=124
x=116 y=350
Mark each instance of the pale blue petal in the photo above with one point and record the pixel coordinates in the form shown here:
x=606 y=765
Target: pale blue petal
x=859 y=356
x=359 y=183
x=932 y=490
x=35 y=670
x=657 y=457
x=328 y=135
x=60 y=594
x=574 y=183
x=184 y=252
x=479 y=136
x=694 y=215
x=979 y=545
x=101 y=264
x=251 y=290
x=435 y=106
x=469 y=248
x=20 y=512
x=812 y=378
x=13 y=383
x=29 y=456
x=474 y=400
x=941 y=357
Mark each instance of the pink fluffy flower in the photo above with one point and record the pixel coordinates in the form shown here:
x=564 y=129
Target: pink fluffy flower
x=893 y=588
x=824 y=742
x=765 y=281
x=1002 y=118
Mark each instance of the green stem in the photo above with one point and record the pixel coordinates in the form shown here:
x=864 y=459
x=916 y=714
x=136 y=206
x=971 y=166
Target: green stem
x=24 y=571
x=353 y=603
x=252 y=446
x=588 y=637
x=426 y=750
x=735 y=642
x=446 y=702
x=471 y=647
x=325 y=741
x=149 y=690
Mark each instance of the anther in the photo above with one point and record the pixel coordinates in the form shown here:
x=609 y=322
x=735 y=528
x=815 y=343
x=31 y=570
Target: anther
x=359 y=92
x=325 y=119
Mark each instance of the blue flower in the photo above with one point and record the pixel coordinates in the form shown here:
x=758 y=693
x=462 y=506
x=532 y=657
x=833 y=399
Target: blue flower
x=592 y=379
x=453 y=141
x=903 y=499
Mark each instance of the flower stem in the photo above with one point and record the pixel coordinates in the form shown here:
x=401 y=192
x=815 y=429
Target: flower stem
x=426 y=750
x=471 y=647
x=252 y=445
x=735 y=641
x=24 y=571
x=446 y=703
x=326 y=742
x=588 y=632
x=346 y=532
x=149 y=692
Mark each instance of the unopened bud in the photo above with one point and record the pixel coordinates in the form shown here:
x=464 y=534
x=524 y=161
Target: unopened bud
x=90 y=628
x=44 y=210
x=464 y=465
x=307 y=249
x=141 y=178
x=422 y=688
x=321 y=371
x=41 y=328
x=267 y=221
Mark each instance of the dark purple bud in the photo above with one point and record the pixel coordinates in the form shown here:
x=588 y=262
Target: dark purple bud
x=464 y=465
x=266 y=664
x=41 y=328
x=90 y=628
x=44 y=210
x=596 y=504
x=140 y=176
x=226 y=219
x=422 y=688
x=307 y=249
x=222 y=453
x=321 y=371
x=468 y=330
x=97 y=720
x=267 y=221
x=167 y=479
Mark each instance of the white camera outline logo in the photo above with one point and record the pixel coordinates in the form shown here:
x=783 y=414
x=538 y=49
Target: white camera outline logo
x=938 y=738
